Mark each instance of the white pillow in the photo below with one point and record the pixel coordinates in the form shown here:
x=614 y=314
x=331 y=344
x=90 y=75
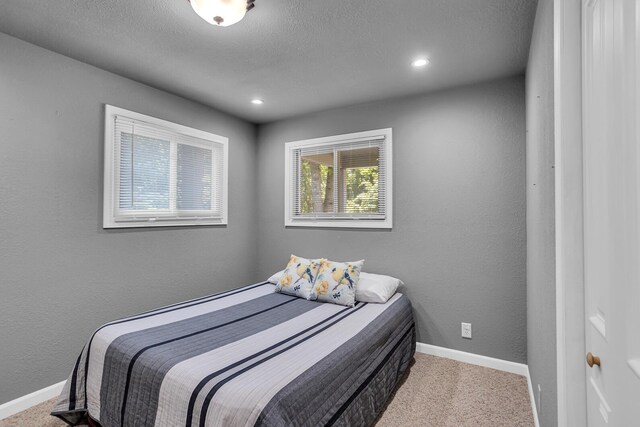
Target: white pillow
x=276 y=277
x=376 y=287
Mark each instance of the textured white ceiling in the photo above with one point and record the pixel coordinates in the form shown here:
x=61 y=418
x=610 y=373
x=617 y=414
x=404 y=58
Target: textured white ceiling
x=299 y=56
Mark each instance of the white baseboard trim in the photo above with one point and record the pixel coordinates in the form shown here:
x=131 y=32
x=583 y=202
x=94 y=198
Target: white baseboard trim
x=474 y=359
x=485 y=361
x=29 y=400
x=532 y=398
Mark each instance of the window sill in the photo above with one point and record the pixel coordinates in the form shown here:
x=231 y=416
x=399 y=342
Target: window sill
x=164 y=223
x=327 y=223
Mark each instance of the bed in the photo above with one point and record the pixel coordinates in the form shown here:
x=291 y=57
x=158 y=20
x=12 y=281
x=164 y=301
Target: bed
x=245 y=357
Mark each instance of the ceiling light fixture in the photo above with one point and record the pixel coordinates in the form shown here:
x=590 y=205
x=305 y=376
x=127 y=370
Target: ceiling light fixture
x=222 y=12
x=257 y=101
x=420 y=62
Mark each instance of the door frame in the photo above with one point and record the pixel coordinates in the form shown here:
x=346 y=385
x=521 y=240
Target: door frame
x=570 y=329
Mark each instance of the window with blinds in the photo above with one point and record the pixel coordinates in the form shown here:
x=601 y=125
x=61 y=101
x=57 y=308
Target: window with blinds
x=339 y=181
x=158 y=173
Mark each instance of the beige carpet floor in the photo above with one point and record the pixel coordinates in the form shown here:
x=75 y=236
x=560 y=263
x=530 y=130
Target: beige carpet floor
x=437 y=392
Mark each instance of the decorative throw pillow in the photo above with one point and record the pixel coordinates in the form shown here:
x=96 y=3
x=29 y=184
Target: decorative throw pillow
x=337 y=281
x=299 y=276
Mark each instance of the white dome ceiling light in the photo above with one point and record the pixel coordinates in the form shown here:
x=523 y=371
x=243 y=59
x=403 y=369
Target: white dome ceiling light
x=420 y=62
x=222 y=13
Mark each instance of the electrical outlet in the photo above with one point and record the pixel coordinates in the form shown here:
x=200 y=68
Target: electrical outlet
x=466 y=330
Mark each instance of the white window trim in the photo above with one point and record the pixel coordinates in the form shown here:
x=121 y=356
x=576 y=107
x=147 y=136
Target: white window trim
x=110 y=166
x=386 y=223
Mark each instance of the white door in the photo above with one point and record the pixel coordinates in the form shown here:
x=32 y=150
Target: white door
x=611 y=132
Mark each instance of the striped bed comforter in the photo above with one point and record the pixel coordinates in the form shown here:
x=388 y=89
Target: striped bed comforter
x=245 y=357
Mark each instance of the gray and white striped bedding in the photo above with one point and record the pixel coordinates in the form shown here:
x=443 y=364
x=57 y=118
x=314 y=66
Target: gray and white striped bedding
x=244 y=357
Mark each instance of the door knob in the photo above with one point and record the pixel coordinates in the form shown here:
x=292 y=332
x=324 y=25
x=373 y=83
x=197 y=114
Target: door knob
x=592 y=360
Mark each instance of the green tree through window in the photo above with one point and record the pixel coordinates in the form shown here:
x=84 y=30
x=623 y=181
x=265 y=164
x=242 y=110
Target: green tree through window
x=361 y=189
x=317 y=191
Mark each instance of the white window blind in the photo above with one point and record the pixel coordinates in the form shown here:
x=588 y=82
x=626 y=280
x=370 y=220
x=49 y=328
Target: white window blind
x=161 y=173
x=341 y=181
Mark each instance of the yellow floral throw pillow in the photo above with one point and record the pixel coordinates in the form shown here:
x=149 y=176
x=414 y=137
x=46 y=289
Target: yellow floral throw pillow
x=337 y=281
x=299 y=276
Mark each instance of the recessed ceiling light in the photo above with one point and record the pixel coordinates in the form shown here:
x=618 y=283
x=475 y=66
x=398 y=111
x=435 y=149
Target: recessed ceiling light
x=257 y=101
x=420 y=62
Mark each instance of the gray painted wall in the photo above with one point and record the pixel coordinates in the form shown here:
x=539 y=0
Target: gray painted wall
x=458 y=240
x=61 y=274
x=459 y=217
x=541 y=286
